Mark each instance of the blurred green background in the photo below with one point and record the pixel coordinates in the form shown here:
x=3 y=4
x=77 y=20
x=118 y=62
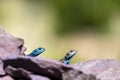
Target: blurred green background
x=92 y=27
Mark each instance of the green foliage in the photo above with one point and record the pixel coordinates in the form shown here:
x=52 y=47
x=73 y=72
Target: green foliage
x=83 y=15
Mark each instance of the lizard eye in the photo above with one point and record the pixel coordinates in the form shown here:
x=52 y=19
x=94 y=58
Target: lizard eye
x=39 y=48
x=71 y=51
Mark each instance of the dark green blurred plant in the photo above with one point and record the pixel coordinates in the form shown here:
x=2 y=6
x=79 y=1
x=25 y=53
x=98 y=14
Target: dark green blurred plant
x=83 y=15
x=74 y=15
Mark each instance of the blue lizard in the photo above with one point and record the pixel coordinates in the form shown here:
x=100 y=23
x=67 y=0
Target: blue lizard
x=36 y=52
x=65 y=60
x=68 y=57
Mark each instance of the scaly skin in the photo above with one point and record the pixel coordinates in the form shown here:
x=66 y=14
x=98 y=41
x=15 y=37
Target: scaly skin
x=65 y=60
x=36 y=52
x=68 y=57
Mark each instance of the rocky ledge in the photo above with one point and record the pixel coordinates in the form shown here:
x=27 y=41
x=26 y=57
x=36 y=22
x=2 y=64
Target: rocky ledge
x=15 y=66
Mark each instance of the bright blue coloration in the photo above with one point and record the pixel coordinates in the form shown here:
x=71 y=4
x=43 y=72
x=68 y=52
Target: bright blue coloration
x=68 y=57
x=66 y=61
x=36 y=52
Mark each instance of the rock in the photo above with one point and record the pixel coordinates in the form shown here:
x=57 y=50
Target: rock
x=2 y=72
x=15 y=66
x=6 y=78
x=17 y=73
x=104 y=69
x=10 y=45
x=38 y=77
x=53 y=70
